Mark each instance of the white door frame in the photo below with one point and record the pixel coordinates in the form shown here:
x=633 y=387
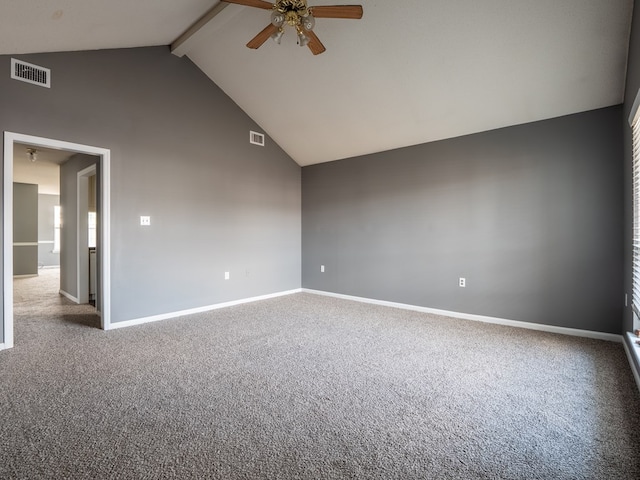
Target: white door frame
x=105 y=222
x=82 y=233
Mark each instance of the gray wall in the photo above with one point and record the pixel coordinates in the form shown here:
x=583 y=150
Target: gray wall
x=46 y=256
x=180 y=153
x=530 y=215
x=25 y=228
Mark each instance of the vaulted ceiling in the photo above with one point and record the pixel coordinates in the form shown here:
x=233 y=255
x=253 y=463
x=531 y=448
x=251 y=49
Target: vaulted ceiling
x=408 y=72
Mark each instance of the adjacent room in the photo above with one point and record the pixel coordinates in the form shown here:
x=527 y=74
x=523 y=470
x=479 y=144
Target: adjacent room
x=395 y=240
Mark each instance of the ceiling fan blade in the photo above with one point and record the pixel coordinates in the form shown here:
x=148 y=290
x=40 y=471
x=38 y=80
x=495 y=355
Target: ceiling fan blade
x=252 y=3
x=337 y=11
x=263 y=36
x=315 y=45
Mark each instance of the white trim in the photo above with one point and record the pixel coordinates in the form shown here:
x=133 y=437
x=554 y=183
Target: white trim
x=105 y=241
x=25 y=244
x=69 y=296
x=631 y=355
x=478 y=318
x=26 y=275
x=3 y=346
x=105 y=225
x=82 y=233
x=40 y=242
x=191 y=311
x=7 y=251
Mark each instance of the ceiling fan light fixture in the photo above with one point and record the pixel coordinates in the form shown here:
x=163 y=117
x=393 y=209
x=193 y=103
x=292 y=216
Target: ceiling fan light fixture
x=277 y=18
x=292 y=18
x=308 y=22
x=277 y=36
x=32 y=154
x=303 y=40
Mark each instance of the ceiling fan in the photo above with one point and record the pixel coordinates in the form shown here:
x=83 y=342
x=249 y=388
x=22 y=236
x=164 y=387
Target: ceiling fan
x=298 y=15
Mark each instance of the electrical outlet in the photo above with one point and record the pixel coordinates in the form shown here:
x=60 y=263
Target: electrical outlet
x=462 y=282
x=321 y=268
x=145 y=220
x=227 y=276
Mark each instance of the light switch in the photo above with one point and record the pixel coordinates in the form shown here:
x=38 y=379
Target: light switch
x=145 y=220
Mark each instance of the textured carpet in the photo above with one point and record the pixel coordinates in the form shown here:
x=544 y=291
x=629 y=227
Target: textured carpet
x=308 y=387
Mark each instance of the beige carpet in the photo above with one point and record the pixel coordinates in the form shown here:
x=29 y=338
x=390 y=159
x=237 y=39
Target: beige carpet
x=37 y=304
x=307 y=387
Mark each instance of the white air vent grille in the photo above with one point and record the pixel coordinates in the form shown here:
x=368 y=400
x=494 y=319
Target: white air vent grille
x=27 y=72
x=256 y=138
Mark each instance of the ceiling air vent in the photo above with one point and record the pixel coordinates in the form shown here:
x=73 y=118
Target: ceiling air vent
x=256 y=138
x=27 y=72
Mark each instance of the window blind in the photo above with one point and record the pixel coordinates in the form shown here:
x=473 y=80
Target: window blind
x=635 y=127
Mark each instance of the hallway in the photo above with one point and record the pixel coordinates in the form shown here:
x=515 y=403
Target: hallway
x=39 y=308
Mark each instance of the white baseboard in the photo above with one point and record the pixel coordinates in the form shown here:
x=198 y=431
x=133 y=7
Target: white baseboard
x=191 y=311
x=3 y=346
x=478 y=318
x=632 y=354
x=69 y=296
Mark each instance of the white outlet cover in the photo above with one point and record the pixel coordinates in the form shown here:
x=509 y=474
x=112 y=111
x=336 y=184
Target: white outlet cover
x=145 y=220
x=462 y=282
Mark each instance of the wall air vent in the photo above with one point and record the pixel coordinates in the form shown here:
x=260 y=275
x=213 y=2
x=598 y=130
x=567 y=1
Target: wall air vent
x=256 y=138
x=27 y=72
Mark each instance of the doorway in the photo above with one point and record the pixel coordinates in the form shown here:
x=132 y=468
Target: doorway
x=103 y=253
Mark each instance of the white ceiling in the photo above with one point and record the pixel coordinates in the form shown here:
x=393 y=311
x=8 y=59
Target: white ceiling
x=32 y=26
x=408 y=72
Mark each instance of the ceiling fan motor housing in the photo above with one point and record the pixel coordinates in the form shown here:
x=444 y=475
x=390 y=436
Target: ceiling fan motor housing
x=293 y=10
